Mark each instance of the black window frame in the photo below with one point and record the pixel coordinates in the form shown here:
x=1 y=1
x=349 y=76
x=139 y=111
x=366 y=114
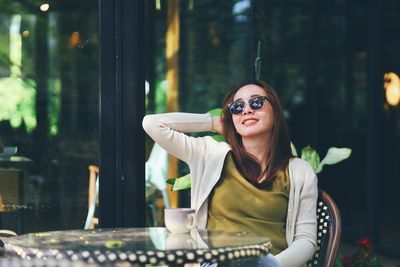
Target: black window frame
x=122 y=107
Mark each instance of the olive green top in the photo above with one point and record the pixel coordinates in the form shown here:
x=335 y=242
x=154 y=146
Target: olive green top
x=237 y=205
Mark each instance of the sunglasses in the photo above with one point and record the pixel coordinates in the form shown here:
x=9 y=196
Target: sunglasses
x=255 y=103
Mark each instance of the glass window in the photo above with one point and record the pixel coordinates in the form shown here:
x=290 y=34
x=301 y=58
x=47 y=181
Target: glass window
x=327 y=61
x=49 y=112
x=197 y=51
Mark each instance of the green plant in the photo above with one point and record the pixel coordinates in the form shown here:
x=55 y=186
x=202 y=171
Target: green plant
x=333 y=156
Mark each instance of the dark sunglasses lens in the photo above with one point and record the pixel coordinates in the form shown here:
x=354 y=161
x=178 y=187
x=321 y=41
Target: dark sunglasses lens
x=256 y=103
x=236 y=108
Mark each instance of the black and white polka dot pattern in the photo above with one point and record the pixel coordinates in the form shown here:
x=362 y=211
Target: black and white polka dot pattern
x=19 y=262
x=324 y=220
x=123 y=253
x=148 y=257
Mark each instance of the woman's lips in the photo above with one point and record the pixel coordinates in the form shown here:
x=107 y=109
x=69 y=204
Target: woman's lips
x=249 y=121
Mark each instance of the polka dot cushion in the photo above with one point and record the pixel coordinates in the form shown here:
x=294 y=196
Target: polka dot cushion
x=324 y=220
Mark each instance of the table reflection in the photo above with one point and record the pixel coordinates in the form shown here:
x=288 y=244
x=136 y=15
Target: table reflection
x=138 y=246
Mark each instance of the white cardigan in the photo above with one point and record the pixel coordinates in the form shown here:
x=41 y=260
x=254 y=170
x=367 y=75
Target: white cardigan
x=206 y=157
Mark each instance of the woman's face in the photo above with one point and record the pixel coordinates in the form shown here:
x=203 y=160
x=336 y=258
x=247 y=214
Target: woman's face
x=252 y=123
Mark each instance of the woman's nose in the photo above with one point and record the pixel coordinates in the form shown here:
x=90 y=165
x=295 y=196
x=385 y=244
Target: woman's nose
x=247 y=110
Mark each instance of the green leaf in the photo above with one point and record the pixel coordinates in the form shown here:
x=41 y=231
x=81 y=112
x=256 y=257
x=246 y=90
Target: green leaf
x=215 y=112
x=338 y=261
x=218 y=138
x=294 y=151
x=181 y=183
x=311 y=156
x=333 y=156
x=171 y=181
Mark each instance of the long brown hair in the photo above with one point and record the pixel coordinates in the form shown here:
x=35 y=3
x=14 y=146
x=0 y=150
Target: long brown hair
x=280 y=152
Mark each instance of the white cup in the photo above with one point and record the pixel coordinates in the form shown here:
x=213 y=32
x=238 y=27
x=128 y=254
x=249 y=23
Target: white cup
x=179 y=220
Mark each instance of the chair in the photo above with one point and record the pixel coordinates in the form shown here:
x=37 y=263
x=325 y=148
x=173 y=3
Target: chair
x=329 y=231
x=12 y=195
x=93 y=193
x=1 y=204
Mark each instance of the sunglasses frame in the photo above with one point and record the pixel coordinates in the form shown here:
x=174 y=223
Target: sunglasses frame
x=249 y=101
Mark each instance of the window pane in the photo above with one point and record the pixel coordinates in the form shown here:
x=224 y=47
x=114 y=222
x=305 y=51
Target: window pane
x=192 y=69
x=327 y=63
x=49 y=111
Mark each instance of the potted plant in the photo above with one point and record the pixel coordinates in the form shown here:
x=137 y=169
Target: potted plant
x=364 y=255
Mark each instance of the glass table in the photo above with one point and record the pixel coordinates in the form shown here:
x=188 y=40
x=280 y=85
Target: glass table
x=140 y=246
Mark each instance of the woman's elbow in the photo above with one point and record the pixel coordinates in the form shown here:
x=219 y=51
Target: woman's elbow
x=149 y=122
x=146 y=122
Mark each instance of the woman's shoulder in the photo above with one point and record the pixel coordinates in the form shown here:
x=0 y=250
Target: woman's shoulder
x=299 y=168
x=298 y=163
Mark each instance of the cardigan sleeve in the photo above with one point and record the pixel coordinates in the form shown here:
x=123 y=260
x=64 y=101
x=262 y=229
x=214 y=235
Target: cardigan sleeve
x=303 y=244
x=168 y=130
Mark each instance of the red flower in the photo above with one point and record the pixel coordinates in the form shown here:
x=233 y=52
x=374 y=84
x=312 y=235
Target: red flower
x=363 y=256
x=365 y=243
x=346 y=260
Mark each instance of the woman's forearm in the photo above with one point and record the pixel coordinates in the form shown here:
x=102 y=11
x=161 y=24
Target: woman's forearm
x=168 y=130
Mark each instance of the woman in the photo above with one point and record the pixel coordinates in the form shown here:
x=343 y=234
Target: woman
x=250 y=182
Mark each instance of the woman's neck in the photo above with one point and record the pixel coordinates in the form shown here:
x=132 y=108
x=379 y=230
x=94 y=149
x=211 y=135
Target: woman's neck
x=259 y=147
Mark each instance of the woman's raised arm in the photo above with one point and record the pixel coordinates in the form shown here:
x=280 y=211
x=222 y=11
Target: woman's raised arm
x=168 y=130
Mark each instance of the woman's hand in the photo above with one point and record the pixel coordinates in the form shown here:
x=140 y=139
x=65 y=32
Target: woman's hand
x=217 y=125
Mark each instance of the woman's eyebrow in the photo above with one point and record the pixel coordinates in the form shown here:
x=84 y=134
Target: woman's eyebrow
x=249 y=98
